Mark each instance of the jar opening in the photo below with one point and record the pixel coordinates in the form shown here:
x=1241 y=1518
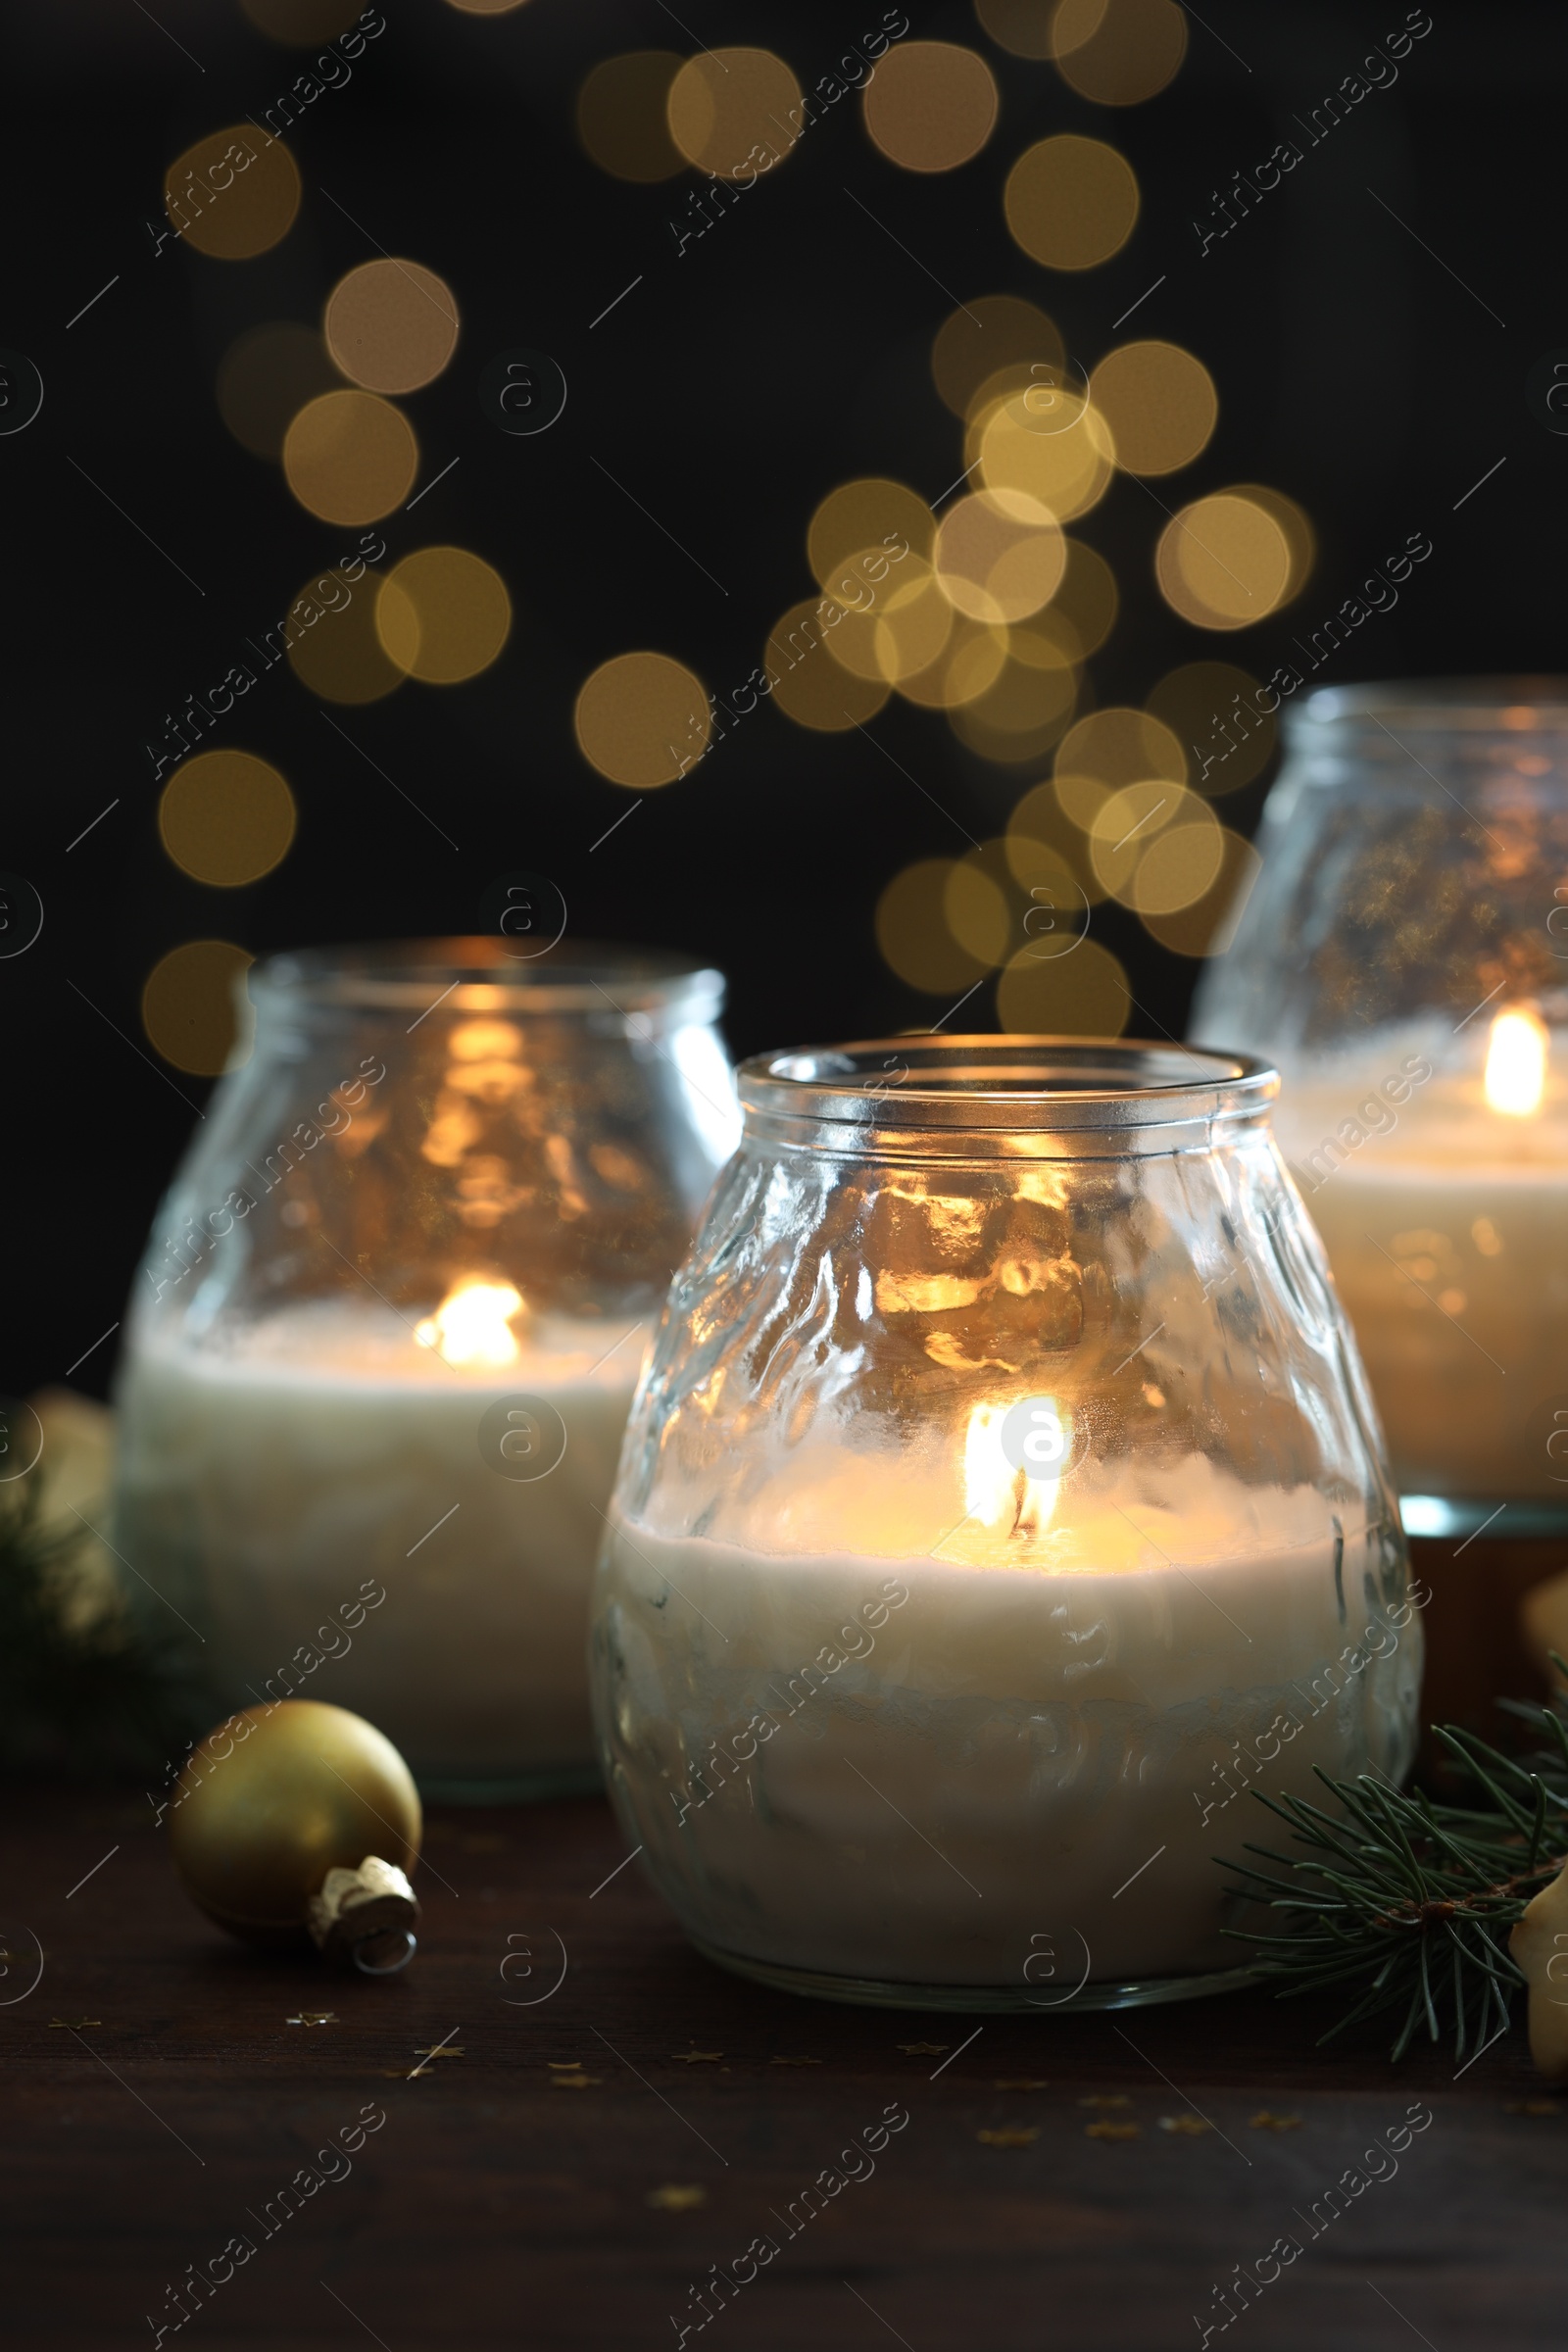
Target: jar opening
x=1505 y=707
x=1011 y=1094
x=483 y=974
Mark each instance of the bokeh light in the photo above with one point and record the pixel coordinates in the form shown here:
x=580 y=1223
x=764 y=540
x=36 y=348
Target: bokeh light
x=227 y=818
x=265 y=377
x=1021 y=26
x=1043 y=843
x=905 y=632
x=1025 y=712
x=391 y=325
x=1118 y=52
x=233 y=194
x=1071 y=202
x=930 y=106
x=812 y=683
x=302 y=23
x=1132 y=824
x=1000 y=555
x=1050 y=443
x=1213 y=708
x=442 y=615
x=484 y=7
x=340 y=657
x=1224 y=563
x=865 y=514
x=1208 y=925
x=727 y=103
x=188 y=1006
x=1083 y=992
x=970 y=661
x=639 y=717
x=978 y=905
x=350 y=457
x=1160 y=403
x=623 y=116
x=912 y=931
x=1083 y=612
x=992 y=343
x=1109 y=749
x=1181 y=864
x=1298 y=534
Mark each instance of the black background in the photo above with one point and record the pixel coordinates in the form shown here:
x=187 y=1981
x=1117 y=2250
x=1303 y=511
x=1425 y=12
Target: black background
x=784 y=353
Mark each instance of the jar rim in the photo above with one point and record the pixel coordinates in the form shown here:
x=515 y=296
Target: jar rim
x=1498 y=706
x=983 y=1086
x=477 y=973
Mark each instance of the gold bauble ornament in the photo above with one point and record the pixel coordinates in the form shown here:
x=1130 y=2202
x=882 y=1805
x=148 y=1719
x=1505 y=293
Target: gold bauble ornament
x=275 y=1799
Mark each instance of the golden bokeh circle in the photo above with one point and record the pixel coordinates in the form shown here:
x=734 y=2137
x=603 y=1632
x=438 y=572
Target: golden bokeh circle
x=301 y=24
x=910 y=627
x=1213 y=708
x=1039 y=826
x=814 y=682
x=1020 y=26
x=1300 y=537
x=726 y=103
x=1160 y=403
x=1061 y=454
x=1118 y=52
x=1224 y=563
x=978 y=905
x=1207 y=926
x=1022 y=714
x=264 y=379
x=986 y=337
x=350 y=457
x=930 y=106
x=485 y=7
x=227 y=818
x=1071 y=202
x=1083 y=612
x=1081 y=994
x=188 y=1006
x=623 y=116
x=1180 y=867
x=340 y=655
x=1000 y=555
x=970 y=661
x=871 y=511
x=1123 y=826
x=639 y=717
x=391 y=325
x=233 y=194
x=1109 y=749
x=912 y=934
x=442 y=615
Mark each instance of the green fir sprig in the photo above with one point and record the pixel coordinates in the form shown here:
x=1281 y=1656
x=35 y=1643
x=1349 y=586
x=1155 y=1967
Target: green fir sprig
x=1408 y=1900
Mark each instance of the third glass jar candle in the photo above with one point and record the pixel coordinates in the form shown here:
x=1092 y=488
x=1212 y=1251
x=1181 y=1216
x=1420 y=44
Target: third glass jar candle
x=1403 y=960
x=384 y=1342
x=1002 y=1497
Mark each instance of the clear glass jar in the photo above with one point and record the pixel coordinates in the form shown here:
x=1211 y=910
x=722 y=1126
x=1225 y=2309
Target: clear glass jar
x=1404 y=960
x=1001 y=1496
x=382 y=1346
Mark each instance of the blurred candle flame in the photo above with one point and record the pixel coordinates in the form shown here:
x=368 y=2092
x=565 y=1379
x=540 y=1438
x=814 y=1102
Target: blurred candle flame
x=994 y=1491
x=472 y=1325
x=1516 y=1064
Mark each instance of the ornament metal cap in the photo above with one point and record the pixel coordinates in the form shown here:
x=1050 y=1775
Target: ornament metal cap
x=366 y=1917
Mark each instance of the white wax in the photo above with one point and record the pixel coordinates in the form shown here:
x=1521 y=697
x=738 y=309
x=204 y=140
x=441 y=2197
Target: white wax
x=261 y=1487
x=1024 y=1752
x=1447 y=1227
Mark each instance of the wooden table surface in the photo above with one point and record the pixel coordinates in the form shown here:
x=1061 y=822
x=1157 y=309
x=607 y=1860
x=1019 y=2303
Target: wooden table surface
x=496 y=2207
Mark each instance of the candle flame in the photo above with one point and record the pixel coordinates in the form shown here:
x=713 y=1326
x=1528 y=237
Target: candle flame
x=472 y=1325
x=1000 y=1493
x=1516 y=1064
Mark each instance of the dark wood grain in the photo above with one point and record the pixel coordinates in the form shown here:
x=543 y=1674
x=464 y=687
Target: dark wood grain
x=494 y=2209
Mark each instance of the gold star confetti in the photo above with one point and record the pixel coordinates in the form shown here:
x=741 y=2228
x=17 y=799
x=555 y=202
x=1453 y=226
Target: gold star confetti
x=313 y=2016
x=1022 y=2082
x=924 y=2049
x=74 y=2024
x=676 y=2196
x=579 y=2082
x=1112 y=2132
x=698 y=2057
x=1515 y=2107
x=795 y=2062
x=1263 y=2121
x=1191 y=2126
x=1011 y=2136
x=1106 y=2098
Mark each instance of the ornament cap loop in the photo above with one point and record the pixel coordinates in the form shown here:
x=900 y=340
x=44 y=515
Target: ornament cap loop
x=363 y=1915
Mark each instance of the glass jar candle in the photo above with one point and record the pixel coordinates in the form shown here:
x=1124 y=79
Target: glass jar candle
x=1001 y=1498
x=1403 y=960
x=381 y=1348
